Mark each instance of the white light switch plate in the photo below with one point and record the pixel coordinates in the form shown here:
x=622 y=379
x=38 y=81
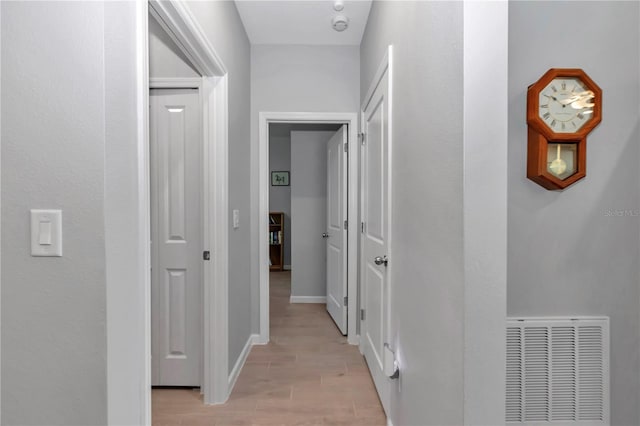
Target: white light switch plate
x=236 y=219
x=46 y=233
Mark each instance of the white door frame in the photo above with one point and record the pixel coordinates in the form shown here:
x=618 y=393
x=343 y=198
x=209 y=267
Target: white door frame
x=351 y=119
x=195 y=83
x=132 y=336
x=385 y=67
x=176 y=19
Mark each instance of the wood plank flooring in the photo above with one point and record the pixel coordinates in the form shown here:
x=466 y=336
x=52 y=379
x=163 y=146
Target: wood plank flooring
x=306 y=375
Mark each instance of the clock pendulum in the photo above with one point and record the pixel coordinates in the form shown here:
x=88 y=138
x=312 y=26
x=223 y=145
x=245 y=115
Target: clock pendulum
x=558 y=166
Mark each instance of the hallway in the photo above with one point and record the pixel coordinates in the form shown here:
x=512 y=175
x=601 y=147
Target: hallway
x=307 y=374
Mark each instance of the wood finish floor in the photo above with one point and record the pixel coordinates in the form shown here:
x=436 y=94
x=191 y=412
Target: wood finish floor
x=306 y=375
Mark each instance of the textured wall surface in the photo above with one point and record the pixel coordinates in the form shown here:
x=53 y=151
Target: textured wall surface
x=576 y=252
x=165 y=58
x=427 y=307
x=54 y=366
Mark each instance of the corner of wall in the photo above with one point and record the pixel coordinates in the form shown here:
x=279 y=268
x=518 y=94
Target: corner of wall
x=485 y=210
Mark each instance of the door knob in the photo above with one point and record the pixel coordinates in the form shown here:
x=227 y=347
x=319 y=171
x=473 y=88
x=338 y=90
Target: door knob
x=325 y=235
x=381 y=260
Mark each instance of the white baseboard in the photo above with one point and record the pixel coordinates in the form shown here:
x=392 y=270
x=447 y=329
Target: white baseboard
x=308 y=299
x=287 y=267
x=241 y=360
x=354 y=340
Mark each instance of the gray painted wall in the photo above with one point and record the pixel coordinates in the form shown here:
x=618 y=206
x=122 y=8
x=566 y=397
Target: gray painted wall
x=165 y=58
x=296 y=79
x=309 y=212
x=280 y=196
x=427 y=243
x=54 y=367
x=221 y=23
x=569 y=254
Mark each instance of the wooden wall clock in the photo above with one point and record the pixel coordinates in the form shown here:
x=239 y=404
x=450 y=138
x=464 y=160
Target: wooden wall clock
x=562 y=108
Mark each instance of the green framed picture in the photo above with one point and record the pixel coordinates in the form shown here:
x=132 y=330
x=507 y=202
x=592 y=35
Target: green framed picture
x=279 y=178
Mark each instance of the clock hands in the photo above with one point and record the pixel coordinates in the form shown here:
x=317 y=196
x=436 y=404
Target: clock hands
x=580 y=100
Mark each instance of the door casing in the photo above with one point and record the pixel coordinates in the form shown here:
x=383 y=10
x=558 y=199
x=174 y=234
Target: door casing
x=177 y=20
x=384 y=72
x=336 y=235
x=130 y=339
x=190 y=83
x=351 y=119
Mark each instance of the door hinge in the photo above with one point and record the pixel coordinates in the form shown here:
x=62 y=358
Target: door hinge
x=346 y=147
x=346 y=301
x=346 y=224
x=361 y=314
x=206 y=255
x=362 y=227
x=362 y=138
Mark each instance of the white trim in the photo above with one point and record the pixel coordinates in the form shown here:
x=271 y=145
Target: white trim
x=216 y=240
x=127 y=229
x=144 y=201
x=177 y=20
x=242 y=359
x=386 y=66
x=0 y=232
x=263 y=209
x=179 y=23
x=175 y=83
x=308 y=299
x=286 y=267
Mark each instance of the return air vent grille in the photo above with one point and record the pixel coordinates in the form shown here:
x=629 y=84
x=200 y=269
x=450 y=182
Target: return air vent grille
x=557 y=371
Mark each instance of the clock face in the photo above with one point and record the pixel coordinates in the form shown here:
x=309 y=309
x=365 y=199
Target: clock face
x=565 y=105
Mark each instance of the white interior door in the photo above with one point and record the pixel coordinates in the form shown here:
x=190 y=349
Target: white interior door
x=176 y=235
x=336 y=234
x=375 y=237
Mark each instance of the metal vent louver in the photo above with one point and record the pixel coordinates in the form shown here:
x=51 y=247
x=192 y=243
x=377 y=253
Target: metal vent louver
x=557 y=371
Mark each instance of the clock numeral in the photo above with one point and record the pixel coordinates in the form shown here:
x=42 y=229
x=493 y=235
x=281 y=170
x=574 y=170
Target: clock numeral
x=546 y=115
x=554 y=88
x=544 y=106
x=553 y=123
x=574 y=125
x=562 y=126
x=564 y=86
x=573 y=89
x=580 y=116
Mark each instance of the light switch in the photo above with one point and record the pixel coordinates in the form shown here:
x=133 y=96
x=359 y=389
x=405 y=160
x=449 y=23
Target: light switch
x=46 y=233
x=236 y=219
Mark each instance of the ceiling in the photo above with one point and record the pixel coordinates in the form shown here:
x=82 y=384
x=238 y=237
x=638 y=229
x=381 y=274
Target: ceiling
x=302 y=21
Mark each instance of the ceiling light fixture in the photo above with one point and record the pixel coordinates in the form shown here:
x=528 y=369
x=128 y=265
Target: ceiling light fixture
x=338 y=5
x=340 y=23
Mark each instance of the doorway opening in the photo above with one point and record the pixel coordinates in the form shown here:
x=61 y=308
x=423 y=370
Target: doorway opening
x=188 y=204
x=175 y=146
x=307 y=210
x=314 y=220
